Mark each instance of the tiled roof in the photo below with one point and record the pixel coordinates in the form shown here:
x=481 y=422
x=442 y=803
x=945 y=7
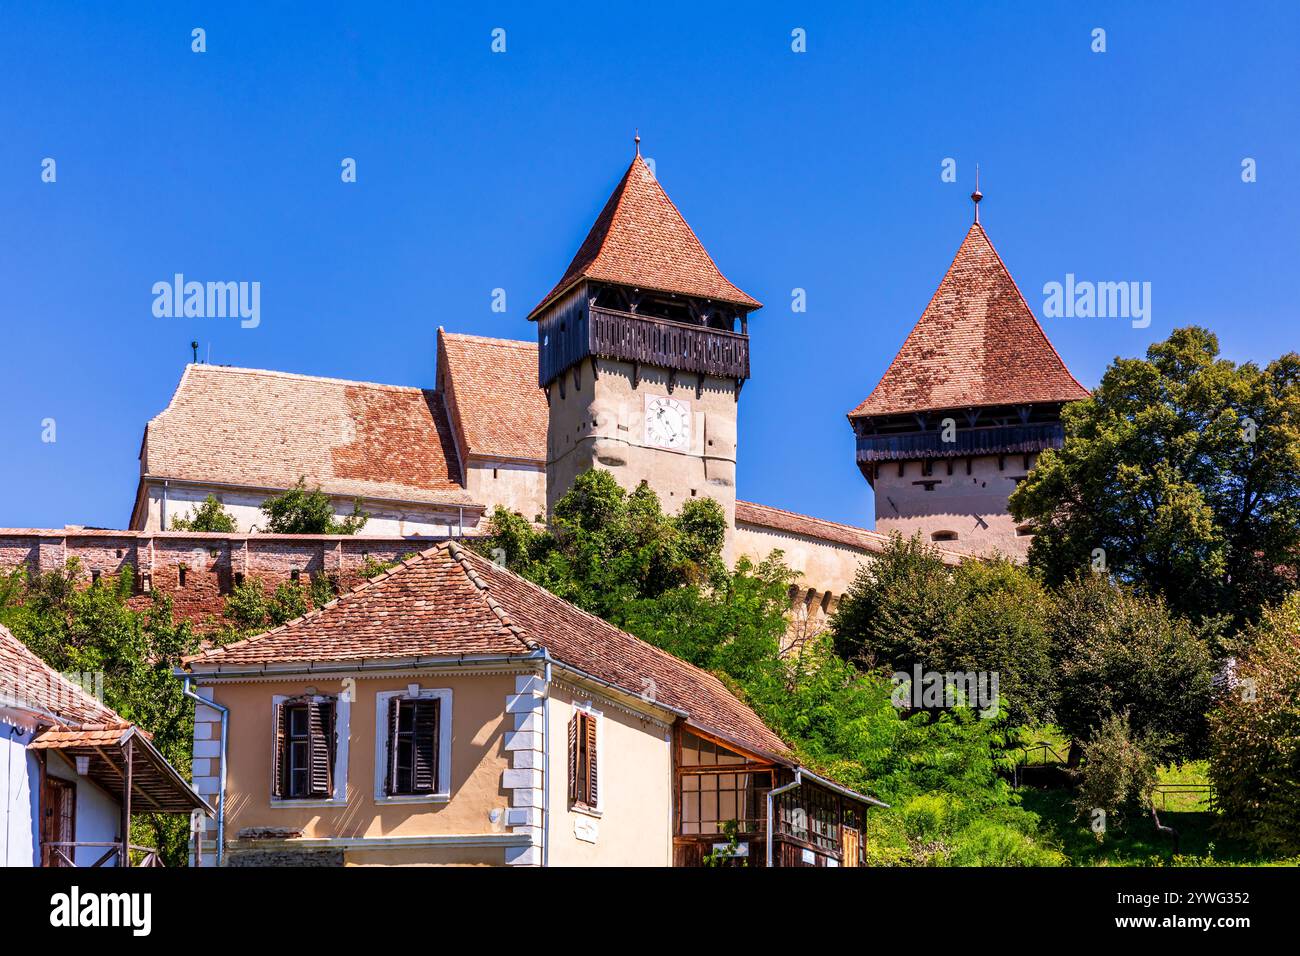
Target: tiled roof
x=27 y=682
x=58 y=739
x=641 y=239
x=977 y=344
x=775 y=519
x=263 y=429
x=449 y=601
x=490 y=388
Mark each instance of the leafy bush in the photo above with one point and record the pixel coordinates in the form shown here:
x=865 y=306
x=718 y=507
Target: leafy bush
x=302 y=511
x=1119 y=652
x=1255 y=737
x=1118 y=773
x=211 y=515
x=906 y=608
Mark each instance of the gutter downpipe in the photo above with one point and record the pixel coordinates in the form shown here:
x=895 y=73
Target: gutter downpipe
x=546 y=764
x=221 y=786
x=771 y=805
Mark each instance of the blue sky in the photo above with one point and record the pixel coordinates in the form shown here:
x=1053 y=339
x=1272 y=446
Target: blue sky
x=477 y=170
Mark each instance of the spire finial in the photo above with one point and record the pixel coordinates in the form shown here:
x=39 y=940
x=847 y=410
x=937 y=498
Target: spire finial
x=637 y=140
x=976 y=196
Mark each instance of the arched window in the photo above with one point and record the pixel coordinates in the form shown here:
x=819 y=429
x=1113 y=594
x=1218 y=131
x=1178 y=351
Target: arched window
x=1024 y=531
x=943 y=536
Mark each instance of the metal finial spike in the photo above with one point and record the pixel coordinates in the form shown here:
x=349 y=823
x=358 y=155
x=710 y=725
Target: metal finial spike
x=976 y=196
x=637 y=139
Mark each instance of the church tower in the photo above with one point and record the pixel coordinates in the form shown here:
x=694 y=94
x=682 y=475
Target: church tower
x=643 y=348
x=971 y=399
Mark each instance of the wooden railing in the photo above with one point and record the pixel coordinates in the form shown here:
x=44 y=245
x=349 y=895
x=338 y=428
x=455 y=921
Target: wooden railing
x=996 y=440
x=65 y=853
x=587 y=331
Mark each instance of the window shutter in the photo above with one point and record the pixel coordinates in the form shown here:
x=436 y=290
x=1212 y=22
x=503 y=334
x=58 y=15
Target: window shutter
x=424 y=764
x=574 y=793
x=320 y=734
x=277 y=758
x=590 y=723
x=394 y=712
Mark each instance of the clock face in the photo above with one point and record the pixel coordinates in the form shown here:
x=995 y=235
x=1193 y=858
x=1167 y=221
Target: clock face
x=667 y=422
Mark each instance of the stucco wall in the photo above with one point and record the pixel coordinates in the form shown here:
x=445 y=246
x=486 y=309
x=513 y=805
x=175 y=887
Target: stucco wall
x=246 y=508
x=515 y=486
x=99 y=814
x=478 y=758
x=19 y=783
x=634 y=778
x=974 y=506
x=602 y=425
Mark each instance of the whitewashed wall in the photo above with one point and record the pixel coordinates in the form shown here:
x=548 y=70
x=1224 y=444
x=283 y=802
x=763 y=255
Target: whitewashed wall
x=19 y=778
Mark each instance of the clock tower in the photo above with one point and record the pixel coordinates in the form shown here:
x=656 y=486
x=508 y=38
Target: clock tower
x=643 y=348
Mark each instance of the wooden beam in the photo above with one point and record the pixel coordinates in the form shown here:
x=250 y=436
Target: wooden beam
x=129 y=751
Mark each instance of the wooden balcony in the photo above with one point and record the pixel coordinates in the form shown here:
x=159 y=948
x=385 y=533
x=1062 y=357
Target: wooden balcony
x=583 y=331
x=994 y=440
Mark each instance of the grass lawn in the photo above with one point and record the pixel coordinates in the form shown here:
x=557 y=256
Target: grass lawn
x=1136 y=842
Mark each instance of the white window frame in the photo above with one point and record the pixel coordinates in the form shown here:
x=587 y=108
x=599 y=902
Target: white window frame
x=414 y=692
x=342 y=717
x=599 y=809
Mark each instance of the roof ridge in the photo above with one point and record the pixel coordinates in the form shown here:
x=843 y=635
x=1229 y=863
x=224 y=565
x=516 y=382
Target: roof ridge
x=347 y=595
x=297 y=376
x=459 y=555
x=489 y=339
x=600 y=621
x=807 y=517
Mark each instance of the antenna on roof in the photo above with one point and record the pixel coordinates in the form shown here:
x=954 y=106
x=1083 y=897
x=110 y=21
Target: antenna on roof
x=195 y=347
x=976 y=196
x=637 y=140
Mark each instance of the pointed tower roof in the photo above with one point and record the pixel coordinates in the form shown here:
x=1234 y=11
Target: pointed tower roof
x=977 y=344
x=641 y=239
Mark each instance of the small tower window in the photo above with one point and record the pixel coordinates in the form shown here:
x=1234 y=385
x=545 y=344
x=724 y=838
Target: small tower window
x=1025 y=531
x=943 y=536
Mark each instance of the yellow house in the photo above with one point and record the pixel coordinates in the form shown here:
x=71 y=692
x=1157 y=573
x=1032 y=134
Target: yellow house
x=450 y=712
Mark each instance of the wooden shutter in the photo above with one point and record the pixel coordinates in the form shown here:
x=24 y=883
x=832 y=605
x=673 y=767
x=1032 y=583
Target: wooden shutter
x=575 y=794
x=320 y=741
x=590 y=725
x=424 y=759
x=394 y=714
x=278 y=756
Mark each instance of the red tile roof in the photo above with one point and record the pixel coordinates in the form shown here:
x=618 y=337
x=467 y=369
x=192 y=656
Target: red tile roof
x=641 y=239
x=264 y=429
x=449 y=601
x=774 y=519
x=28 y=683
x=490 y=389
x=977 y=344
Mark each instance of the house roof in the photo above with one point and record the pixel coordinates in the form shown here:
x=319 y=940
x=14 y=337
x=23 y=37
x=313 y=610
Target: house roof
x=641 y=239
x=490 y=388
x=28 y=683
x=449 y=601
x=79 y=725
x=976 y=344
x=263 y=429
x=775 y=519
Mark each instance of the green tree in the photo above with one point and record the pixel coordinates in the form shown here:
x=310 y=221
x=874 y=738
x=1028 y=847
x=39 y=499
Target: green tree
x=210 y=515
x=93 y=630
x=1255 y=736
x=1120 y=652
x=1182 y=474
x=906 y=608
x=302 y=511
